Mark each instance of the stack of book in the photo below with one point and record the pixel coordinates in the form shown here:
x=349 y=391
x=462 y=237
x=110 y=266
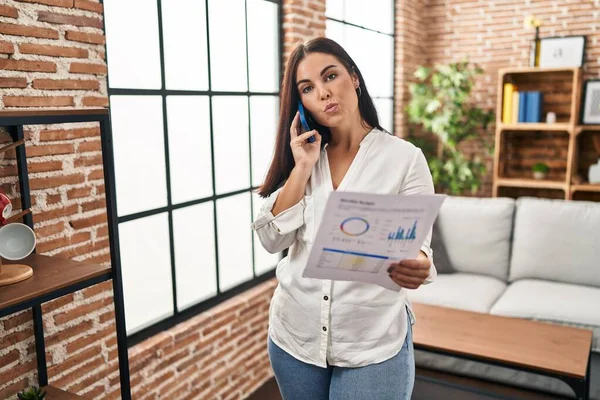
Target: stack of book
x=521 y=106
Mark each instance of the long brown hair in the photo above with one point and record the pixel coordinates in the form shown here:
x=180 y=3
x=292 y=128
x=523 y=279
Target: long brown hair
x=283 y=159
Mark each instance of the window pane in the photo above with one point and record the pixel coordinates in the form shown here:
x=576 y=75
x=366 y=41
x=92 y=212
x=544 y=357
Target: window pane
x=185 y=44
x=377 y=72
x=385 y=112
x=227 y=24
x=263 y=260
x=188 y=118
x=194 y=243
x=374 y=14
x=235 y=240
x=133 y=53
x=146 y=269
x=230 y=136
x=138 y=140
x=263 y=46
x=263 y=117
x=335 y=31
x=334 y=9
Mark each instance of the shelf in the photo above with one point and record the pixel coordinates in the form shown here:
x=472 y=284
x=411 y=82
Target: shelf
x=34 y=116
x=53 y=393
x=52 y=278
x=582 y=128
x=32 y=112
x=586 y=187
x=531 y=126
x=530 y=183
x=529 y=70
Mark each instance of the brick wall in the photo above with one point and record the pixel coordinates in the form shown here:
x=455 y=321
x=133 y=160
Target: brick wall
x=491 y=33
x=52 y=55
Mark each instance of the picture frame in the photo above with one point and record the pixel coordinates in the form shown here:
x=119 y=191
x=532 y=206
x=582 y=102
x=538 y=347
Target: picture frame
x=590 y=102
x=562 y=51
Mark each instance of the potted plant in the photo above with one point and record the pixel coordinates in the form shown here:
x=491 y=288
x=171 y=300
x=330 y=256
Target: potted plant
x=540 y=170
x=33 y=393
x=441 y=103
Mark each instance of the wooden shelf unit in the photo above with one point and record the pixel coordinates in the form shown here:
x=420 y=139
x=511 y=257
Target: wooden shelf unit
x=561 y=88
x=54 y=277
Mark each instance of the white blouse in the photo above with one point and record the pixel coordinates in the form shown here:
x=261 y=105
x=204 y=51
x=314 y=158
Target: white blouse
x=341 y=323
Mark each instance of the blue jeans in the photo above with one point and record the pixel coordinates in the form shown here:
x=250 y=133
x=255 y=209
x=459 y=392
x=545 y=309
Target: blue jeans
x=392 y=379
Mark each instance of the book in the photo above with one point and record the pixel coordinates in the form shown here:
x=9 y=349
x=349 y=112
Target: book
x=515 y=108
x=522 y=107
x=507 y=103
x=534 y=106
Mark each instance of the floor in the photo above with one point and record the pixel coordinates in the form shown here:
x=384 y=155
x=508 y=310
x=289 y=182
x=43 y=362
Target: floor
x=431 y=385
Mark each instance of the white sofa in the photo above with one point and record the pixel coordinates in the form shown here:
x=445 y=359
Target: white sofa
x=528 y=258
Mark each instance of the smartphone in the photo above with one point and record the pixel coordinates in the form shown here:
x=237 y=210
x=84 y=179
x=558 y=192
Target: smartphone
x=304 y=120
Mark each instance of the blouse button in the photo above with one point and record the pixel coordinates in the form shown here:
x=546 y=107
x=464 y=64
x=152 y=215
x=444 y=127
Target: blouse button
x=325 y=298
x=324 y=329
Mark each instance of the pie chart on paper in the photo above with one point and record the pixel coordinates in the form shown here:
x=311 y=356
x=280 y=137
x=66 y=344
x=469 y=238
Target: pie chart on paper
x=354 y=226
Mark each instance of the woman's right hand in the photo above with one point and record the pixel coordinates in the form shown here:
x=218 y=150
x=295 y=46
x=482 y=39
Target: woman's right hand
x=306 y=154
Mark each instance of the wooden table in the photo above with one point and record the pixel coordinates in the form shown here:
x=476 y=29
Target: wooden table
x=553 y=350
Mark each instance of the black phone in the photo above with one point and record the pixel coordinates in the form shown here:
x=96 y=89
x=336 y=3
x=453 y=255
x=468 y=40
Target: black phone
x=306 y=121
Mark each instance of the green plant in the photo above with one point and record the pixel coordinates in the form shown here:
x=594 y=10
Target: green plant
x=33 y=393
x=441 y=103
x=540 y=167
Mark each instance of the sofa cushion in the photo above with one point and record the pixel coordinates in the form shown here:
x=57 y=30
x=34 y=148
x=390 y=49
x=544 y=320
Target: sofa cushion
x=460 y=290
x=562 y=303
x=476 y=233
x=556 y=240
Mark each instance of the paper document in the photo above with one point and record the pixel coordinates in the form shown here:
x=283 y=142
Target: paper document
x=361 y=234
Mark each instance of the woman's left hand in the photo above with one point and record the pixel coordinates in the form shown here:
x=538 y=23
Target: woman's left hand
x=410 y=274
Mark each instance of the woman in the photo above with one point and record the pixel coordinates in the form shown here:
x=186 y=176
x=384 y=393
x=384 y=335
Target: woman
x=336 y=340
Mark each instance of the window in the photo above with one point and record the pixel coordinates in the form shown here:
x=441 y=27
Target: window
x=193 y=88
x=366 y=30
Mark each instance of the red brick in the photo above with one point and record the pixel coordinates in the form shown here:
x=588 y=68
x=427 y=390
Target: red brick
x=9 y=11
x=102 y=231
x=80 y=329
x=89 y=6
x=26 y=65
x=79 y=192
x=49 y=230
x=52 y=51
x=63 y=241
x=87 y=68
x=58 y=3
x=89 y=221
x=68 y=134
x=66 y=84
x=45 y=166
x=96 y=175
x=17 y=371
x=56 y=213
x=101 y=259
x=29 y=31
x=83 y=37
x=38 y=101
x=17 y=320
x=74 y=361
x=50 y=150
x=88 y=161
x=98 y=204
x=9 y=391
x=6 y=47
x=95 y=102
x=56 y=181
x=81 y=311
x=94 y=145
x=16 y=337
x=65 y=19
